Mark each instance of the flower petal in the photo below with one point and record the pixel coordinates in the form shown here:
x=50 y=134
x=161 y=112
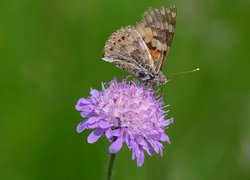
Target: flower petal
x=116 y=132
x=95 y=135
x=93 y=120
x=165 y=138
x=104 y=124
x=154 y=145
x=94 y=93
x=116 y=146
x=85 y=110
x=108 y=134
x=168 y=122
x=140 y=158
x=160 y=146
x=147 y=147
x=81 y=126
x=92 y=126
x=135 y=150
x=81 y=102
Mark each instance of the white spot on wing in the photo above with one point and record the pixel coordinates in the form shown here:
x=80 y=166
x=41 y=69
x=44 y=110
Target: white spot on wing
x=173 y=14
x=170 y=28
x=108 y=59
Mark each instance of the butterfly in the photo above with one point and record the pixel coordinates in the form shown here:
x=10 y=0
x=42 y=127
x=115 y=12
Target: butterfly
x=142 y=49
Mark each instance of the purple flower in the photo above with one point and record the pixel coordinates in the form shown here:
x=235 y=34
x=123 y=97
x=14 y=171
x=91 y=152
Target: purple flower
x=126 y=112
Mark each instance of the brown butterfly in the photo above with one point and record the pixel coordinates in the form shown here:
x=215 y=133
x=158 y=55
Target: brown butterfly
x=142 y=49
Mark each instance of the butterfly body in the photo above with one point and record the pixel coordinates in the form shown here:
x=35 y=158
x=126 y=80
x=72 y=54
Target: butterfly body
x=142 y=49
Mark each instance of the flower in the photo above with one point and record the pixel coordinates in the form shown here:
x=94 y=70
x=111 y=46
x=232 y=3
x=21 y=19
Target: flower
x=126 y=112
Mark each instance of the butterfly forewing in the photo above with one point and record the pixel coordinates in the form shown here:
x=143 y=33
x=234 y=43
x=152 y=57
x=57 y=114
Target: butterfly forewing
x=157 y=30
x=170 y=16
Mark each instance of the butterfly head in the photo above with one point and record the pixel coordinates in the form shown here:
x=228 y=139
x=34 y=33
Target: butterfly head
x=160 y=78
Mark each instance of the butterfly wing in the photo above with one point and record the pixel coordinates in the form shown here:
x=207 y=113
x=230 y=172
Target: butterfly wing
x=126 y=49
x=157 y=30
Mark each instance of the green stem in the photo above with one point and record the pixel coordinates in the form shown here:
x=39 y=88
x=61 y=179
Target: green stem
x=111 y=165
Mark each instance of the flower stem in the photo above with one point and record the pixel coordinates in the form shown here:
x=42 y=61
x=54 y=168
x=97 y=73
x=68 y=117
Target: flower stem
x=110 y=167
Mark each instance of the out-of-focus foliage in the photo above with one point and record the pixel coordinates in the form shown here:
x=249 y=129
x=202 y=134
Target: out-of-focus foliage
x=50 y=53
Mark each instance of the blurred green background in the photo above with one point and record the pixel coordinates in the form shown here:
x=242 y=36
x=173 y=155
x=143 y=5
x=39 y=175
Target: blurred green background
x=50 y=52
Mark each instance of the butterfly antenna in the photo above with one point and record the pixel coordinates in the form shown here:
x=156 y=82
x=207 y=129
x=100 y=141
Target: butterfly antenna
x=184 y=72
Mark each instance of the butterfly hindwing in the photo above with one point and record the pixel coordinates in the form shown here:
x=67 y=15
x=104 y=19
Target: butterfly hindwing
x=126 y=46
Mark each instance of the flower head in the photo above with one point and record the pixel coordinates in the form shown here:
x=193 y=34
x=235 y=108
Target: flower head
x=126 y=112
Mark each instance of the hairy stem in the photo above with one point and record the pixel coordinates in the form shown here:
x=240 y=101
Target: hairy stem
x=111 y=165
